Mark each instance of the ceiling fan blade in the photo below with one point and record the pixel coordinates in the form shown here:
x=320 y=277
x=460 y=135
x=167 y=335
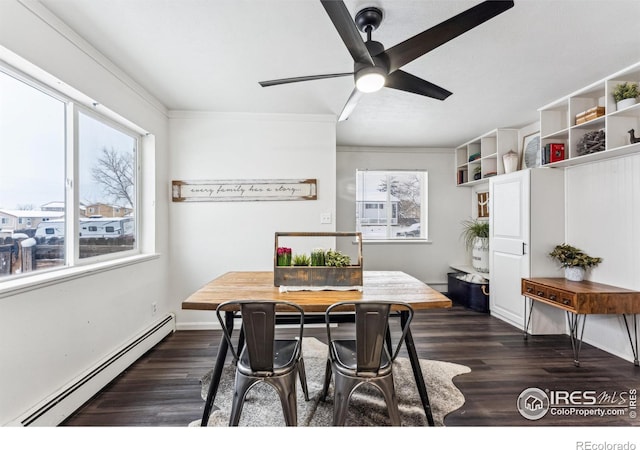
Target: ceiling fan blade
x=355 y=96
x=307 y=78
x=339 y=15
x=405 y=52
x=404 y=81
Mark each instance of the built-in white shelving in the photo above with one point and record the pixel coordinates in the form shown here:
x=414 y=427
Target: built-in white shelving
x=558 y=121
x=481 y=158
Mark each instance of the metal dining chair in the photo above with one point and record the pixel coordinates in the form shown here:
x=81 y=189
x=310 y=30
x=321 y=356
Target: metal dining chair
x=262 y=357
x=366 y=357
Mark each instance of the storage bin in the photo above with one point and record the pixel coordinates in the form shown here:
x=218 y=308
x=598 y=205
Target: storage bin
x=467 y=294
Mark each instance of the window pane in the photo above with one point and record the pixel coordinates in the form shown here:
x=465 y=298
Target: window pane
x=390 y=204
x=32 y=177
x=107 y=161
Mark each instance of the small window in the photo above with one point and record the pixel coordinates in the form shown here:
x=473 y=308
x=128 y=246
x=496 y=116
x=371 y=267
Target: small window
x=391 y=204
x=109 y=229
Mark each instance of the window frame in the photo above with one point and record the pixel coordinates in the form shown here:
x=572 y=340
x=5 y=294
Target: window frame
x=72 y=262
x=424 y=204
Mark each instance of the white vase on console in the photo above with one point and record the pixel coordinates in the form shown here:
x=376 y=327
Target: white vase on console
x=574 y=273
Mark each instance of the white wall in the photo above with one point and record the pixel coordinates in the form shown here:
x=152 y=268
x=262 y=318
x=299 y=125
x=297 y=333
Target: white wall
x=448 y=206
x=211 y=238
x=51 y=335
x=603 y=219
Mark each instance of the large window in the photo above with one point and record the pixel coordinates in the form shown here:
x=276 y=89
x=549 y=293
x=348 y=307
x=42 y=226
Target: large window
x=65 y=170
x=391 y=204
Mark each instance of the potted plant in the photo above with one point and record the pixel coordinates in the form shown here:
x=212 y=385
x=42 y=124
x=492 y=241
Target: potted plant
x=475 y=234
x=283 y=256
x=625 y=94
x=574 y=261
x=301 y=260
x=336 y=258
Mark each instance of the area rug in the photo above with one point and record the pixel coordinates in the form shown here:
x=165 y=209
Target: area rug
x=366 y=407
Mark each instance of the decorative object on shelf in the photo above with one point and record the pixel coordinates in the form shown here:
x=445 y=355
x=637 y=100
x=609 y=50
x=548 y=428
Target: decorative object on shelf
x=243 y=190
x=477 y=173
x=474 y=157
x=483 y=205
x=284 y=256
x=531 y=151
x=490 y=174
x=510 y=160
x=632 y=137
x=552 y=153
x=475 y=234
x=591 y=142
x=625 y=94
x=574 y=261
x=590 y=114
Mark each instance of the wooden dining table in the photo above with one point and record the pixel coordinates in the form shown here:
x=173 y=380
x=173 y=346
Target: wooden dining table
x=259 y=285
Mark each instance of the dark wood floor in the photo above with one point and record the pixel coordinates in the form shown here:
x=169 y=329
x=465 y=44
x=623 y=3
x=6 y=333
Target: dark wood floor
x=163 y=387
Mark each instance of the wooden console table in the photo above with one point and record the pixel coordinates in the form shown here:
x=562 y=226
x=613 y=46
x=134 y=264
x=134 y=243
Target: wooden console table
x=580 y=298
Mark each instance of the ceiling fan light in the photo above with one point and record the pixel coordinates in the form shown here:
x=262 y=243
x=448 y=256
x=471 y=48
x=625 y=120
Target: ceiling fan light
x=370 y=79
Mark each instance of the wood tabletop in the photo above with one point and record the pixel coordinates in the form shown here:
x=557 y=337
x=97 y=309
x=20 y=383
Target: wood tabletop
x=377 y=285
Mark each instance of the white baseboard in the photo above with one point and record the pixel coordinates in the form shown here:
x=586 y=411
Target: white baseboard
x=54 y=409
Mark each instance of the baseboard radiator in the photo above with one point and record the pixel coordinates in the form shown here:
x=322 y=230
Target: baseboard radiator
x=55 y=409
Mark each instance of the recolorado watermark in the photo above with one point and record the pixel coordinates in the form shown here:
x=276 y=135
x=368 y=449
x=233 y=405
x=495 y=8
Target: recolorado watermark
x=589 y=445
x=535 y=403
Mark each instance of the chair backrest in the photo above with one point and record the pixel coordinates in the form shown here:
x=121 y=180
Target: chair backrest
x=259 y=325
x=371 y=326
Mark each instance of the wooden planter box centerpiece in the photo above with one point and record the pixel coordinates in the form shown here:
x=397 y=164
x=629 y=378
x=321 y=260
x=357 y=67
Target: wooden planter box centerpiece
x=350 y=275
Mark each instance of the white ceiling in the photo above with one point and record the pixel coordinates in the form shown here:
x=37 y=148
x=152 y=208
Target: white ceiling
x=210 y=54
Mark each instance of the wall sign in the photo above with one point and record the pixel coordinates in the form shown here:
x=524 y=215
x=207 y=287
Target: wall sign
x=243 y=190
x=483 y=204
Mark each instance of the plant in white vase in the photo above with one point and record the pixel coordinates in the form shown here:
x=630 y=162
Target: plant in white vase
x=625 y=94
x=475 y=234
x=574 y=261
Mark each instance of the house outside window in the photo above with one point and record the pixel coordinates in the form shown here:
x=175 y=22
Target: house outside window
x=391 y=204
x=70 y=152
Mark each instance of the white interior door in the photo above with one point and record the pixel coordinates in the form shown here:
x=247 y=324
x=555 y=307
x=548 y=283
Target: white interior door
x=509 y=242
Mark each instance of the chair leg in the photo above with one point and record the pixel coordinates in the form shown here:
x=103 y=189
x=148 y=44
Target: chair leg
x=343 y=387
x=285 y=386
x=327 y=381
x=385 y=385
x=303 y=378
x=242 y=386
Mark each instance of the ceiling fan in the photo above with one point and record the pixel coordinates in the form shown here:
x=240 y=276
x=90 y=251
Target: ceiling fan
x=375 y=67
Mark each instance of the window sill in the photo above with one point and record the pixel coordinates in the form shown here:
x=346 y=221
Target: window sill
x=56 y=276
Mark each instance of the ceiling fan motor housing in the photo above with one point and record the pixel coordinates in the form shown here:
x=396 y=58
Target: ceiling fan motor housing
x=368 y=19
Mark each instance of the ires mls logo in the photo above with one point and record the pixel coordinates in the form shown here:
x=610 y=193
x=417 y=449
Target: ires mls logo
x=534 y=403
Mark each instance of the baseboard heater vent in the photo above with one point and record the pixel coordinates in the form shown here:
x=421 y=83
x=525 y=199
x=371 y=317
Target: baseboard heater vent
x=98 y=377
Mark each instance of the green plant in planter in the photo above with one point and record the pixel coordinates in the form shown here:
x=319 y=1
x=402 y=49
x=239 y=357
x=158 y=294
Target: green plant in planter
x=474 y=228
x=569 y=256
x=336 y=258
x=301 y=260
x=317 y=257
x=625 y=90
